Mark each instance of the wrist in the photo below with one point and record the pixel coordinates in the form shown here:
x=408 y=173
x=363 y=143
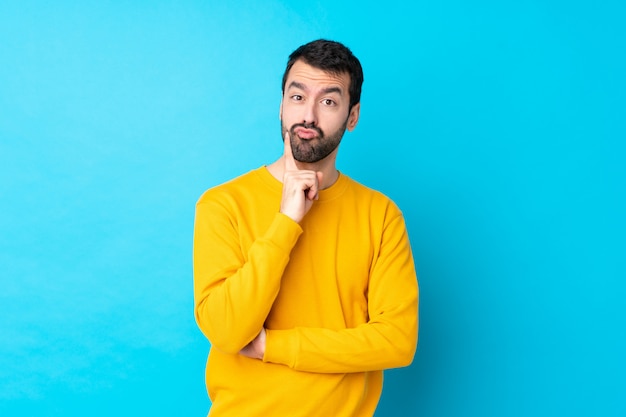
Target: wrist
x=261 y=344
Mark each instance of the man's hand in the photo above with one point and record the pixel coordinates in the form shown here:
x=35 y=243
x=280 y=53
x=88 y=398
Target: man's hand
x=256 y=348
x=300 y=187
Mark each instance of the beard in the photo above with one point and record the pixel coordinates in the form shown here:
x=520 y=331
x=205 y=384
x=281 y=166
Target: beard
x=314 y=149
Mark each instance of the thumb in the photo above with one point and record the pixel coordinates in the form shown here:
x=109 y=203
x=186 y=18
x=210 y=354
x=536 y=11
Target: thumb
x=320 y=178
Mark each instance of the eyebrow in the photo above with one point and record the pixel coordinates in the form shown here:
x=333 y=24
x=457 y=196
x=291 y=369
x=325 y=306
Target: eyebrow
x=327 y=90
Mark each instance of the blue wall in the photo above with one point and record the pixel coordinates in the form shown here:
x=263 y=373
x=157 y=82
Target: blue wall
x=498 y=127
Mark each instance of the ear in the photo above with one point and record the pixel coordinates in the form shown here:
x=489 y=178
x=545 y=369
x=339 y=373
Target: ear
x=280 y=110
x=353 y=117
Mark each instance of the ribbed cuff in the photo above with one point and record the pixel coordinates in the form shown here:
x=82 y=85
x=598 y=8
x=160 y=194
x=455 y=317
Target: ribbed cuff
x=283 y=232
x=281 y=347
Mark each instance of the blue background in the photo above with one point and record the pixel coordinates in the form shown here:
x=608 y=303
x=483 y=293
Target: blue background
x=498 y=128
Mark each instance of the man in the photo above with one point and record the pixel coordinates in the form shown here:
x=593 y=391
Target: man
x=304 y=281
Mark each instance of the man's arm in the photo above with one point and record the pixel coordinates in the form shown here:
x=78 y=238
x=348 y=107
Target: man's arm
x=233 y=291
x=387 y=340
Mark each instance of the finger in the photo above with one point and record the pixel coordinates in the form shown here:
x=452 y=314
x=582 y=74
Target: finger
x=312 y=193
x=290 y=162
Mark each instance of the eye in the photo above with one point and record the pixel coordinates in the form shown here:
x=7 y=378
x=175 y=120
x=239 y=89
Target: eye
x=296 y=97
x=328 y=102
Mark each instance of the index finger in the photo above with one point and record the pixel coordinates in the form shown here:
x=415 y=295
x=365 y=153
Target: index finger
x=290 y=162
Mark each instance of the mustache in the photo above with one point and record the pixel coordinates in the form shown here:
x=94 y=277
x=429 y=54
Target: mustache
x=319 y=131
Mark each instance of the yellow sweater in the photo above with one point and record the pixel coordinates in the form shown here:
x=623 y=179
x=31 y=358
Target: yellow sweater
x=337 y=294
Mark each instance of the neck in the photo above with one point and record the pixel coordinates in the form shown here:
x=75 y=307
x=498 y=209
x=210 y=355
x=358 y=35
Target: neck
x=326 y=166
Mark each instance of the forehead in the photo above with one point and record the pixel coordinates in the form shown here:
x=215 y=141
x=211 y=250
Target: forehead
x=312 y=77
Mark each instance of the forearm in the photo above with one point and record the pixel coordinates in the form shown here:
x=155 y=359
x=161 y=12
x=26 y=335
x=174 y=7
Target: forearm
x=233 y=309
x=234 y=291
x=382 y=343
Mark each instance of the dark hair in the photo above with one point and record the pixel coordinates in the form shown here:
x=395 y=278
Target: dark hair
x=333 y=57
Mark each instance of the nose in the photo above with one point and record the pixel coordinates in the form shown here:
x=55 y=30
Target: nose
x=310 y=114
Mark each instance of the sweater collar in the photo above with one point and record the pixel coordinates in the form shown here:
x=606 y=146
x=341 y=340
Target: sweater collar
x=327 y=194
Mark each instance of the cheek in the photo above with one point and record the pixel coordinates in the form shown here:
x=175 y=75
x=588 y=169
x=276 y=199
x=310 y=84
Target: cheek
x=290 y=116
x=285 y=113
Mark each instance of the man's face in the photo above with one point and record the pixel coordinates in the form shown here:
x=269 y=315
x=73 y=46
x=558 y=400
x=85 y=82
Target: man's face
x=316 y=111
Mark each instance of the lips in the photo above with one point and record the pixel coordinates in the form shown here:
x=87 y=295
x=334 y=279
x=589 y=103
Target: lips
x=304 y=133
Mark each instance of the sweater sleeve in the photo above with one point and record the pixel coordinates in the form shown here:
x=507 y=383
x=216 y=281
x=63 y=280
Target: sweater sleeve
x=387 y=340
x=233 y=290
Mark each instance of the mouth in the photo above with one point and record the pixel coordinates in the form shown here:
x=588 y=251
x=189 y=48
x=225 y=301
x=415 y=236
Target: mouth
x=304 y=133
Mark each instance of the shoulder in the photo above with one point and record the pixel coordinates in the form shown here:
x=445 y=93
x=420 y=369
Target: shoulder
x=230 y=189
x=373 y=198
